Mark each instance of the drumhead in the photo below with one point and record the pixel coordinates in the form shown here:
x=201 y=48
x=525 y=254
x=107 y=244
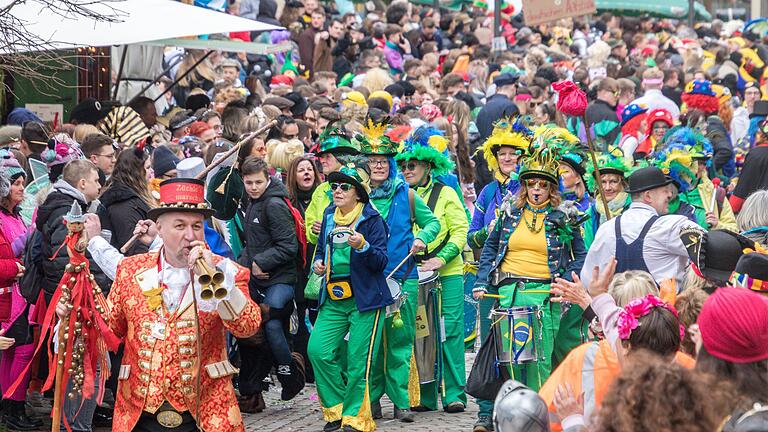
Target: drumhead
x=340 y=235
x=427 y=276
x=394 y=288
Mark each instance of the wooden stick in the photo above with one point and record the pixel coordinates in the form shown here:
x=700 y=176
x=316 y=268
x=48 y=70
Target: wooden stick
x=234 y=149
x=59 y=385
x=597 y=170
x=496 y=296
x=130 y=243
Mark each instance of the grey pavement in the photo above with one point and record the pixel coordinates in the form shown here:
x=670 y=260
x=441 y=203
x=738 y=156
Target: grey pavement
x=303 y=414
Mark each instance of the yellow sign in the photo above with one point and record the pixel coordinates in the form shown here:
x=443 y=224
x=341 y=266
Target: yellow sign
x=422 y=322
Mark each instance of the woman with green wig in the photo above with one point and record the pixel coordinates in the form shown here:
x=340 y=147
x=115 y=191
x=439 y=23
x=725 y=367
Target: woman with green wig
x=423 y=160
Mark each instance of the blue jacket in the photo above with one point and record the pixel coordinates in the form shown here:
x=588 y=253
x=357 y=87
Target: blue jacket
x=487 y=202
x=400 y=234
x=564 y=255
x=367 y=277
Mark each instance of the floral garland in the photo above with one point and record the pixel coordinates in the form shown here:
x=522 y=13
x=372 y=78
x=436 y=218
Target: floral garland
x=637 y=308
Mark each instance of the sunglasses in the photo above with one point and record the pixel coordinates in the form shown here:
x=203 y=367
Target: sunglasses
x=344 y=186
x=542 y=184
x=410 y=166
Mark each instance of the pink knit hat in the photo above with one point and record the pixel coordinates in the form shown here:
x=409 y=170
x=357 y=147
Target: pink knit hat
x=734 y=325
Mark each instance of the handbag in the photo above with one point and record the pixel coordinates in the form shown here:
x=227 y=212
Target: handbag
x=313 y=287
x=486 y=377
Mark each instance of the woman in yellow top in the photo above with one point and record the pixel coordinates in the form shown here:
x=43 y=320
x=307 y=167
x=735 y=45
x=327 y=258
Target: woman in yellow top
x=533 y=243
x=426 y=166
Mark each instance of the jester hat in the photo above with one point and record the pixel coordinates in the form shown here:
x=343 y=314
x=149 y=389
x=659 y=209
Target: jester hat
x=374 y=139
x=427 y=144
x=506 y=132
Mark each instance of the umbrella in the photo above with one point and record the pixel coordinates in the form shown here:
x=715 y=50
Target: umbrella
x=757 y=26
x=676 y=9
x=131 y=22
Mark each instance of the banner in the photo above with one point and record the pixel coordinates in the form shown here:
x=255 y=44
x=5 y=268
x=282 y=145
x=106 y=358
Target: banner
x=542 y=11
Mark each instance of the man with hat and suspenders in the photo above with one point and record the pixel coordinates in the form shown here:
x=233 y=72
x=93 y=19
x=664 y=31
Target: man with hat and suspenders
x=640 y=239
x=174 y=323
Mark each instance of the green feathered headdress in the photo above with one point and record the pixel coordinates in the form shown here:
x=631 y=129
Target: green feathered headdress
x=427 y=144
x=543 y=162
x=677 y=161
x=610 y=162
x=335 y=138
x=506 y=132
x=374 y=141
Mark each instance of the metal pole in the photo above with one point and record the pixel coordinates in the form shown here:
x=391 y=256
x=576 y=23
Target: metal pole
x=146 y=87
x=120 y=72
x=436 y=7
x=496 y=18
x=690 y=13
x=180 y=77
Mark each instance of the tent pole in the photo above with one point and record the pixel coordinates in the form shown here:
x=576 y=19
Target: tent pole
x=690 y=13
x=120 y=72
x=146 y=87
x=187 y=72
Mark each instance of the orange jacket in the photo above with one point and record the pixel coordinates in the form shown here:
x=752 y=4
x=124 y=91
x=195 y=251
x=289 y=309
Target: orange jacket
x=157 y=370
x=589 y=368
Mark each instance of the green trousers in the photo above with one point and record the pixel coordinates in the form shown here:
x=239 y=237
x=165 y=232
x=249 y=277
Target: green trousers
x=546 y=324
x=453 y=369
x=573 y=331
x=350 y=403
x=391 y=371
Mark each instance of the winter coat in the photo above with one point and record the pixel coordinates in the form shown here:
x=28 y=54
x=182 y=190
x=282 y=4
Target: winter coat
x=369 y=286
x=123 y=208
x=600 y=112
x=723 y=159
x=270 y=238
x=50 y=222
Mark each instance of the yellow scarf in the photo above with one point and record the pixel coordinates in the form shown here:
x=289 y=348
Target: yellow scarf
x=349 y=218
x=500 y=177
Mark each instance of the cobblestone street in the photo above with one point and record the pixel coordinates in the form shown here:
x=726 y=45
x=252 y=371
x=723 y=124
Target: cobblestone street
x=303 y=414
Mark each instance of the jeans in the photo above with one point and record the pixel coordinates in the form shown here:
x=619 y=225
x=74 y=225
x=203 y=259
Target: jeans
x=277 y=297
x=80 y=418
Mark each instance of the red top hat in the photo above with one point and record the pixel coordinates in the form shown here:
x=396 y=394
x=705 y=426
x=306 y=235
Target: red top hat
x=182 y=195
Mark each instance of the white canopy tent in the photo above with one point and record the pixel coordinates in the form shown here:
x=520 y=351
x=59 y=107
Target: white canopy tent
x=132 y=22
x=142 y=27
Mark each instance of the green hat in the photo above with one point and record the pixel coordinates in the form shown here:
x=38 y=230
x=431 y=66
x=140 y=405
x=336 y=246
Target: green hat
x=427 y=144
x=610 y=162
x=357 y=175
x=288 y=65
x=335 y=140
x=543 y=162
x=374 y=141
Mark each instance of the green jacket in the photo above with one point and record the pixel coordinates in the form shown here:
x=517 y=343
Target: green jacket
x=322 y=197
x=454 y=225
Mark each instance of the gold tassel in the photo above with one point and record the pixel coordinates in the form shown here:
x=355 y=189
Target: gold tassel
x=220 y=190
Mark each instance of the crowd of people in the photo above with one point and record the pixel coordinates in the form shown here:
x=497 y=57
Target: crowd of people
x=390 y=193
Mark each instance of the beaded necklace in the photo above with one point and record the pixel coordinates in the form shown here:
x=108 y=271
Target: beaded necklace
x=544 y=209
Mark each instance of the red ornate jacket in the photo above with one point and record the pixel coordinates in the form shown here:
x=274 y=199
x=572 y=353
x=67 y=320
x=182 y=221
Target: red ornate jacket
x=155 y=370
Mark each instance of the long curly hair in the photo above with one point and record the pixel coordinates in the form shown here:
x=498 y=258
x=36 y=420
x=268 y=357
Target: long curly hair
x=629 y=406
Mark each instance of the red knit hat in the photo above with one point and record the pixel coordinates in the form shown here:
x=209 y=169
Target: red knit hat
x=734 y=325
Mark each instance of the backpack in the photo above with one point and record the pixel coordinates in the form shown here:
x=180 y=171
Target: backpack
x=31 y=282
x=301 y=233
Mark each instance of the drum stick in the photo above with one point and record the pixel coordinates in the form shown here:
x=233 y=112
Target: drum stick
x=715 y=183
x=496 y=296
x=394 y=270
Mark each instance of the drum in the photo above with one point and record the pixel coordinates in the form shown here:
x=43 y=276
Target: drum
x=397 y=293
x=427 y=327
x=340 y=235
x=517 y=333
x=471 y=306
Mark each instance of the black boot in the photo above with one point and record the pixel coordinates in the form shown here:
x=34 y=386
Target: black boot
x=16 y=417
x=291 y=377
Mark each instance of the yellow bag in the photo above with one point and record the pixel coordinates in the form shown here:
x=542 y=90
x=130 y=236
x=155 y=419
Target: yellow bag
x=339 y=289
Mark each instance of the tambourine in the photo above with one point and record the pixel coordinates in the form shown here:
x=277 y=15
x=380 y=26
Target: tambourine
x=341 y=235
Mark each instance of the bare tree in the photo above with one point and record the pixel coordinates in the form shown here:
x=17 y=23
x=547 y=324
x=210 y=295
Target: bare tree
x=28 y=55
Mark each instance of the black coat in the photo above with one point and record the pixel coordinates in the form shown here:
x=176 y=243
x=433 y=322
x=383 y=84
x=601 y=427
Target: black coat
x=50 y=217
x=599 y=111
x=270 y=238
x=496 y=107
x=123 y=208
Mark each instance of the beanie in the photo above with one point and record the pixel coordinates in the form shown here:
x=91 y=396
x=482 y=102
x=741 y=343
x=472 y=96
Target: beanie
x=734 y=325
x=163 y=160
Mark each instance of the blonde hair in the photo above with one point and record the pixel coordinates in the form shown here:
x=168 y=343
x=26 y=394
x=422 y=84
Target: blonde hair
x=554 y=195
x=280 y=154
x=630 y=285
x=754 y=212
x=203 y=71
x=83 y=130
x=377 y=79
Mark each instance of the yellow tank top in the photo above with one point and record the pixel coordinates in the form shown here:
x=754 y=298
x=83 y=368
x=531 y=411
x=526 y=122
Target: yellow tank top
x=527 y=250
